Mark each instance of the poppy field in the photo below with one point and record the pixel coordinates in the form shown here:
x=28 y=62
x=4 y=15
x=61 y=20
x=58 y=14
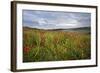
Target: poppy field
x=48 y=45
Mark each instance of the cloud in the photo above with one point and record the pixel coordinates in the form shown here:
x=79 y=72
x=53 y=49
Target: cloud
x=71 y=25
x=51 y=19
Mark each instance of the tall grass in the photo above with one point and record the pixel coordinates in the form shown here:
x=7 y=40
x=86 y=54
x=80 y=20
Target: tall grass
x=42 y=45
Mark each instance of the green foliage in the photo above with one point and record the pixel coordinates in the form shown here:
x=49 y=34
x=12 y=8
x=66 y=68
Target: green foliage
x=55 y=45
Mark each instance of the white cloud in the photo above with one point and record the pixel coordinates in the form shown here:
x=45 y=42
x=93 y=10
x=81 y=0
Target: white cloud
x=41 y=21
x=65 y=24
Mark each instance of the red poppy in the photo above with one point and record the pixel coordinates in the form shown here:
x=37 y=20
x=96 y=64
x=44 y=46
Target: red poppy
x=26 y=49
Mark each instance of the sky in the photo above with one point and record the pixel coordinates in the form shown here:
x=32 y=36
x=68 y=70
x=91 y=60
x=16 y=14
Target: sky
x=55 y=19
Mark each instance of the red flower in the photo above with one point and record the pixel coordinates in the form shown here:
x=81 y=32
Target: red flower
x=26 y=49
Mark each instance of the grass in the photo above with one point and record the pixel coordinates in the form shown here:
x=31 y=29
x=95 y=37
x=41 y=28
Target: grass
x=44 y=45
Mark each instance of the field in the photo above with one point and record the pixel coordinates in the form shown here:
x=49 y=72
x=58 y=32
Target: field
x=49 y=45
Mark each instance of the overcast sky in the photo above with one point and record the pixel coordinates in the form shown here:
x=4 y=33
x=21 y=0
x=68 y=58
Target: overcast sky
x=54 y=20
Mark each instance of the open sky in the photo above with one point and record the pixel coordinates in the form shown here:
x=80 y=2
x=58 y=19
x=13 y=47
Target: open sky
x=55 y=19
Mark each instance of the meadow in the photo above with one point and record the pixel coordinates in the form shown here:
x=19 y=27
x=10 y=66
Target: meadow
x=48 y=45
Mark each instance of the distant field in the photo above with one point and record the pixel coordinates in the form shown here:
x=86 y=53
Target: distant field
x=48 y=45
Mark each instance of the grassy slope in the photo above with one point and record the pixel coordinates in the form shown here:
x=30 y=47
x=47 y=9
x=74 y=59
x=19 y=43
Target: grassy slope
x=42 y=45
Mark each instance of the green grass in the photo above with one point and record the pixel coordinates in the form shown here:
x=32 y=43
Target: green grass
x=43 y=45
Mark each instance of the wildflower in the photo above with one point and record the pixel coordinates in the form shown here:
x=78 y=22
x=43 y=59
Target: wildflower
x=26 y=49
